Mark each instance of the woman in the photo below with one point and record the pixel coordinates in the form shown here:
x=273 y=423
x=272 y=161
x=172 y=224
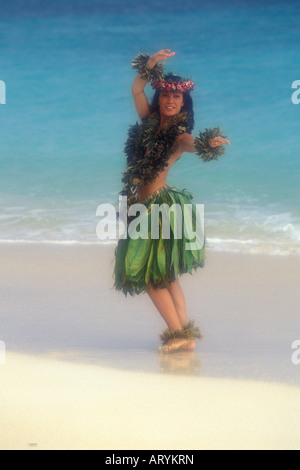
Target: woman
x=153 y=264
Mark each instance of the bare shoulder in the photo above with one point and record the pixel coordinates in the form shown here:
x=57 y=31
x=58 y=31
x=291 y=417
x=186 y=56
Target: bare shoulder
x=185 y=142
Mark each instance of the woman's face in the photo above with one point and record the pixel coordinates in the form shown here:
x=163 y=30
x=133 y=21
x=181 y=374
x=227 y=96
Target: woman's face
x=170 y=103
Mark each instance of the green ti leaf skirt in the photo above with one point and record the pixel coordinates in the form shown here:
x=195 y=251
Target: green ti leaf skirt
x=170 y=248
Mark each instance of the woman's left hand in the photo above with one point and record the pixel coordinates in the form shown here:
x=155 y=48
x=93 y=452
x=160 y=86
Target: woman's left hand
x=216 y=141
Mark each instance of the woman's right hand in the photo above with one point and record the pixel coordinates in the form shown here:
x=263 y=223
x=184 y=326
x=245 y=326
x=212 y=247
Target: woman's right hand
x=161 y=55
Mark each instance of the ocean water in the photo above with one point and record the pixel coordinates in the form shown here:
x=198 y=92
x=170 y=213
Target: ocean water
x=67 y=74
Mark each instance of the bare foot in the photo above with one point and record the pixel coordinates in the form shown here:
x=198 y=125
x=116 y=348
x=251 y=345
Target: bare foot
x=177 y=344
x=191 y=345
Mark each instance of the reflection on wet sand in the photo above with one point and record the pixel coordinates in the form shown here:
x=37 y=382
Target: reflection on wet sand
x=180 y=362
x=176 y=363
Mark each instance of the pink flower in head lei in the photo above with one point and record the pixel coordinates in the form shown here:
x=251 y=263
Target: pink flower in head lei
x=173 y=83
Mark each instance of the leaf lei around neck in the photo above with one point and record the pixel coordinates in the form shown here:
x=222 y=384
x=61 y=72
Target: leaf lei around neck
x=148 y=149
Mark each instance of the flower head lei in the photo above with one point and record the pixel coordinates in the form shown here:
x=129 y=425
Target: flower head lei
x=172 y=82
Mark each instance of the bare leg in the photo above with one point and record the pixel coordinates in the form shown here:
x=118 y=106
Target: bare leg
x=179 y=302
x=177 y=295
x=163 y=301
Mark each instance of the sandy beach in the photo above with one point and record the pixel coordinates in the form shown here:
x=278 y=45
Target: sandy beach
x=82 y=369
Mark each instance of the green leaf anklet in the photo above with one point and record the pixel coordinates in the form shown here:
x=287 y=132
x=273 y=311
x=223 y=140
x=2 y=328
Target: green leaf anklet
x=187 y=332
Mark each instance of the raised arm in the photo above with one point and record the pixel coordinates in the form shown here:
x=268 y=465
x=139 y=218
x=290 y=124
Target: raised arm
x=140 y=100
x=149 y=69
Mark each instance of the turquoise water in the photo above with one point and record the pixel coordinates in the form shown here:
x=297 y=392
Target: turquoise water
x=67 y=73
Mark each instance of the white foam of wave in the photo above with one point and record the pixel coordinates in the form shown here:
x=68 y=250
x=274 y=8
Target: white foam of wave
x=236 y=228
x=56 y=242
x=253 y=246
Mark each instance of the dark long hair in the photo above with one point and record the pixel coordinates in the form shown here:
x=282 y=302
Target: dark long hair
x=187 y=107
